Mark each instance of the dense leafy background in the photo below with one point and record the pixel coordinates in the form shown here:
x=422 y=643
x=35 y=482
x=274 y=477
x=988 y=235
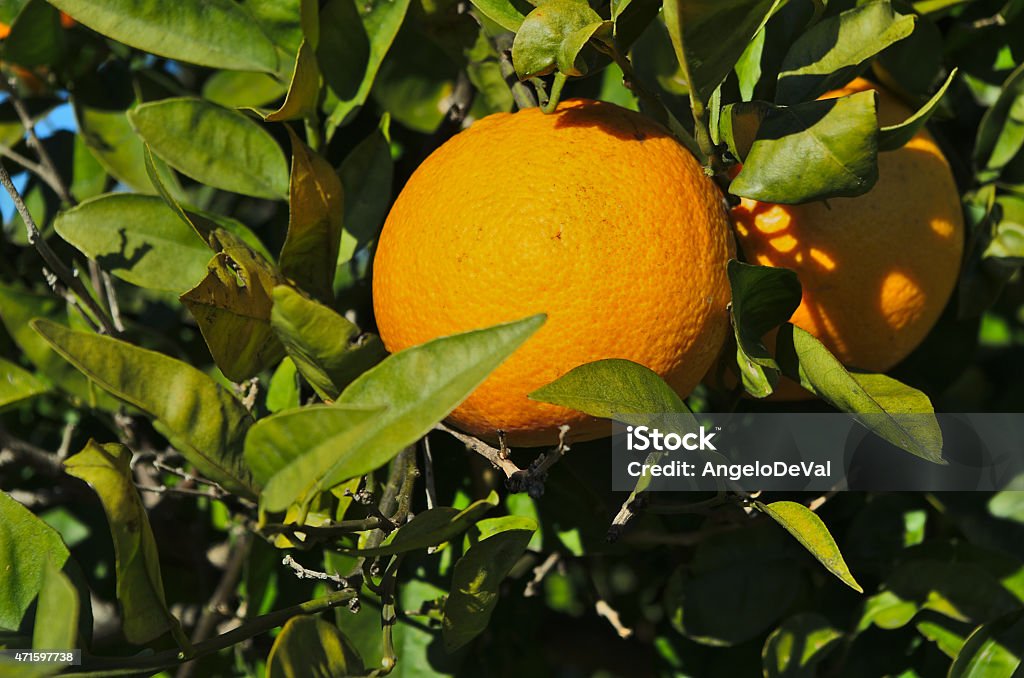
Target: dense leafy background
x=221 y=168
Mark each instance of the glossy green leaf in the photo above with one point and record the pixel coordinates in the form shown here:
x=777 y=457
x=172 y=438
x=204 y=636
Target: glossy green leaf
x=17 y=384
x=896 y=136
x=552 y=35
x=283 y=391
x=303 y=90
x=886 y=610
x=88 y=176
x=309 y=255
x=811 y=151
x=420 y=386
x=369 y=32
x=942 y=631
x=709 y=36
x=994 y=649
x=763 y=298
x=310 y=646
x=216 y=33
x=276 y=441
x=795 y=649
x=501 y=12
x=366 y=175
x=476 y=579
x=213 y=145
x=243 y=89
x=415 y=81
x=56 y=625
x=328 y=350
x=895 y=412
x=138 y=239
x=834 y=50
x=116 y=146
x=1001 y=132
x=813 y=535
x=610 y=387
x=430 y=528
x=232 y=307
x=36 y=37
x=140 y=589
x=738 y=125
x=204 y=421
x=27 y=546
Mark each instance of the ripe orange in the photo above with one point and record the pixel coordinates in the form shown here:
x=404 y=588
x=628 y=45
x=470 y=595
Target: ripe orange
x=877 y=269
x=594 y=215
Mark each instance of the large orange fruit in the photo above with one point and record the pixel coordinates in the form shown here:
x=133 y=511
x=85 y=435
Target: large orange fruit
x=594 y=215
x=877 y=269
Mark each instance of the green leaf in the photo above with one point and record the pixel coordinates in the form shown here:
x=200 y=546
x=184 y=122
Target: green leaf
x=813 y=535
x=283 y=392
x=27 y=547
x=763 y=297
x=475 y=582
x=89 y=177
x=895 y=412
x=811 y=151
x=430 y=528
x=367 y=175
x=232 y=307
x=896 y=136
x=56 y=625
x=709 y=36
x=140 y=589
x=835 y=50
x=204 y=421
x=421 y=385
x=994 y=649
x=292 y=452
x=110 y=138
x=328 y=350
x=1001 y=132
x=136 y=238
x=353 y=45
x=886 y=610
x=213 y=145
x=309 y=646
x=739 y=123
x=309 y=255
x=17 y=384
x=610 y=387
x=303 y=90
x=243 y=89
x=215 y=33
x=501 y=12
x=552 y=35
x=795 y=649
x=36 y=37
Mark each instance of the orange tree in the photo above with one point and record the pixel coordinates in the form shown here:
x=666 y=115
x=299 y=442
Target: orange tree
x=211 y=464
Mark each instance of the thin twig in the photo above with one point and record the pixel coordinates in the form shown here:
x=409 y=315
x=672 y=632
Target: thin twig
x=412 y=472
x=52 y=261
x=48 y=172
x=605 y=610
x=40 y=459
x=305 y=573
x=31 y=166
x=428 y=474
x=539 y=573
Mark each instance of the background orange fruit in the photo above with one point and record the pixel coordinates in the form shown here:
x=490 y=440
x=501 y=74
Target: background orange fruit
x=594 y=215
x=878 y=269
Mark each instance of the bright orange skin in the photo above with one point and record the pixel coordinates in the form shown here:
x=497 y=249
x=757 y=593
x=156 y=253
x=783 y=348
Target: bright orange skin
x=878 y=269
x=594 y=215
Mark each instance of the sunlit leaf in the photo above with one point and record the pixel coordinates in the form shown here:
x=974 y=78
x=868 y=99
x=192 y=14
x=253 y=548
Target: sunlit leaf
x=205 y=422
x=27 y=546
x=310 y=646
x=813 y=535
x=140 y=589
x=17 y=384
